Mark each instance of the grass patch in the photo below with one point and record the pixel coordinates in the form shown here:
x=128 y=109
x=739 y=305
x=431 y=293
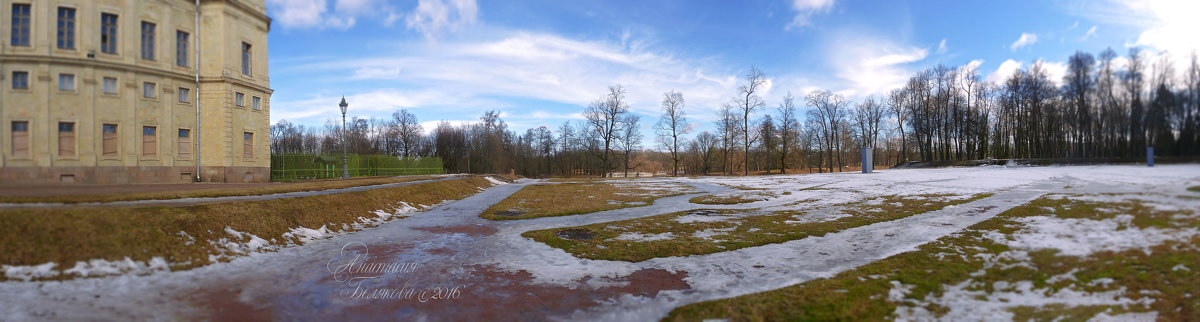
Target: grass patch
x=1194 y=189
x=731 y=198
x=547 y=200
x=214 y=192
x=700 y=232
x=66 y=236
x=863 y=293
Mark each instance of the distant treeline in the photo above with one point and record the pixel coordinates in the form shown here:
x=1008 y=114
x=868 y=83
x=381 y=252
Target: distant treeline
x=1106 y=107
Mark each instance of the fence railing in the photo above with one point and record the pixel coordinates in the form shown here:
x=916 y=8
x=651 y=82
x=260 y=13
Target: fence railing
x=291 y=167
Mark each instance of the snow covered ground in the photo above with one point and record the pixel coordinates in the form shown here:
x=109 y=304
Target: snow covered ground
x=499 y=270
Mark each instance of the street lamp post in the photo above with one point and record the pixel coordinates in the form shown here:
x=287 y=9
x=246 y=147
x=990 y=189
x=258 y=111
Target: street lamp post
x=345 y=157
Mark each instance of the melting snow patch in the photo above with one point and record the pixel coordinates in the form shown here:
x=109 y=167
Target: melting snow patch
x=645 y=237
x=494 y=181
x=26 y=273
x=966 y=304
x=305 y=235
x=100 y=267
x=1081 y=237
x=709 y=233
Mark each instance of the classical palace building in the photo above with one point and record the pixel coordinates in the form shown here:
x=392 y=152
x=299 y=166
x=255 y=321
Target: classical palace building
x=134 y=91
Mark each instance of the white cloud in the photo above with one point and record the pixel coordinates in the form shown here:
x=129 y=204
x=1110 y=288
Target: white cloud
x=805 y=9
x=1025 y=40
x=1002 y=73
x=476 y=76
x=1090 y=33
x=318 y=14
x=433 y=17
x=869 y=65
x=942 y=47
x=1054 y=71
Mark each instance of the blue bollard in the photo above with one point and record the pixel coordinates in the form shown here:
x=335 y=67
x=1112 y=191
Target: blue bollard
x=1150 y=157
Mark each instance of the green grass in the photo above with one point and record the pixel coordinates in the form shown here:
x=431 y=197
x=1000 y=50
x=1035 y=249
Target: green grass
x=749 y=230
x=68 y=235
x=1194 y=189
x=862 y=293
x=562 y=199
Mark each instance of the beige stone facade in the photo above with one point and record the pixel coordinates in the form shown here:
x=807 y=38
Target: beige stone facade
x=105 y=91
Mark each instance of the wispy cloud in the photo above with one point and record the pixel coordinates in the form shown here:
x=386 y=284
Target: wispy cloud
x=867 y=65
x=1090 y=33
x=942 y=47
x=805 y=10
x=1025 y=40
x=433 y=17
x=524 y=66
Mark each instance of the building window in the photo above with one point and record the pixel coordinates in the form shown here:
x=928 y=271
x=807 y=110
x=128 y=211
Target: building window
x=66 y=82
x=109 y=85
x=20 y=139
x=245 y=58
x=239 y=99
x=20 y=80
x=110 y=141
x=257 y=101
x=20 y=24
x=181 y=48
x=149 y=90
x=108 y=33
x=183 y=94
x=66 y=139
x=185 y=144
x=247 y=145
x=149 y=141
x=147 y=40
x=66 y=28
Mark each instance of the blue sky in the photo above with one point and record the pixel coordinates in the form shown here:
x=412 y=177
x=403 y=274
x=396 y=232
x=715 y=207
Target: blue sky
x=541 y=61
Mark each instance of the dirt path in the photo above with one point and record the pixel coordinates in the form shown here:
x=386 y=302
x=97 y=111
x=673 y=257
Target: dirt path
x=449 y=264
x=196 y=201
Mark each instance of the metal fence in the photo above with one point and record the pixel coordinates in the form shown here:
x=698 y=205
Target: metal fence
x=291 y=167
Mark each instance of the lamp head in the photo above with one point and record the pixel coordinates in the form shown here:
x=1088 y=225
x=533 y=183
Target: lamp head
x=343 y=105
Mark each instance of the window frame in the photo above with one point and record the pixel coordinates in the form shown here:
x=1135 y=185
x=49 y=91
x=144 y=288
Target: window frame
x=247 y=146
x=239 y=99
x=183 y=149
x=110 y=33
x=116 y=138
x=149 y=37
x=24 y=80
x=65 y=29
x=116 y=85
x=71 y=85
x=183 y=95
x=12 y=139
x=74 y=140
x=256 y=103
x=247 y=59
x=153 y=90
x=21 y=27
x=181 y=48
x=153 y=142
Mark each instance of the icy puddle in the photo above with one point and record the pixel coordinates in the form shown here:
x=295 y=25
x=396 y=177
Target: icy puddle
x=707 y=231
x=1078 y=257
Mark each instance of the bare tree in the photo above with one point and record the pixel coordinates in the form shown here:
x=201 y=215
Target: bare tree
x=789 y=130
x=829 y=112
x=604 y=117
x=746 y=101
x=727 y=124
x=867 y=117
x=896 y=101
x=702 y=149
x=630 y=140
x=408 y=130
x=671 y=126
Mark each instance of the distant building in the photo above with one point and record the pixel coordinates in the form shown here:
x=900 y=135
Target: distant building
x=107 y=91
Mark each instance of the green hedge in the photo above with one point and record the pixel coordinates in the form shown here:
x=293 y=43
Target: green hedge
x=290 y=167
